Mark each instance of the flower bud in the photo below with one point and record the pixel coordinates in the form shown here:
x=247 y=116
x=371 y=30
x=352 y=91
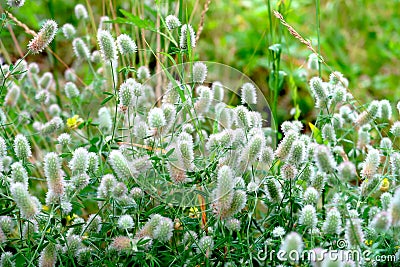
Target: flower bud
x=68 y=31
x=347 y=171
x=381 y=222
x=6 y=257
x=187 y=36
x=288 y=172
x=12 y=95
x=319 y=91
x=319 y=181
x=394 y=208
x=324 y=159
x=156 y=118
x=292 y=242
x=199 y=72
x=385 y=110
x=48 y=256
x=370 y=164
x=353 y=233
x=163 y=231
x=126 y=45
x=104 y=25
x=120 y=165
x=125 y=222
x=105 y=120
x=81 y=50
x=93 y=224
x=249 y=94
x=297 y=153
x=46 y=80
x=285 y=145
x=107 y=46
x=328 y=133
x=22 y=147
x=311 y=195
x=308 y=217
x=333 y=222
x=25 y=202
x=19 y=174
x=233 y=225
x=71 y=91
x=79 y=162
x=172 y=22
x=274 y=190
x=386 y=198
x=205 y=246
x=395 y=129
x=81 y=12
x=121 y=243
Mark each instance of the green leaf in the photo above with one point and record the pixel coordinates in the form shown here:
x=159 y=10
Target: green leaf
x=107 y=99
x=316 y=133
x=169 y=152
x=135 y=20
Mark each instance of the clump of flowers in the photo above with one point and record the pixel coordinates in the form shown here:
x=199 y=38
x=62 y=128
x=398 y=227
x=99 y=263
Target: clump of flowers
x=191 y=177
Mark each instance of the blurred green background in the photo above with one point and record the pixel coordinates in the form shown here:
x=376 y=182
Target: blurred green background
x=359 y=38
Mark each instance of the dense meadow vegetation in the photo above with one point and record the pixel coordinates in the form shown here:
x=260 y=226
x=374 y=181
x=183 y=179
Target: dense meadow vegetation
x=199 y=133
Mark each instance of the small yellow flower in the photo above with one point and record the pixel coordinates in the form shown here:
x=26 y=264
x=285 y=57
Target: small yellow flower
x=369 y=242
x=194 y=212
x=69 y=218
x=45 y=208
x=385 y=185
x=74 y=122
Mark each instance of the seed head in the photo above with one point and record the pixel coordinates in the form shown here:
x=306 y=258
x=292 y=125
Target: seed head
x=68 y=31
x=199 y=72
x=311 y=195
x=292 y=242
x=71 y=91
x=156 y=118
x=353 y=233
x=187 y=33
x=249 y=94
x=22 y=147
x=104 y=25
x=120 y=165
x=108 y=49
x=44 y=37
x=81 y=50
x=126 y=45
x=81 y=12
x=172 y=22
x=143 y=73
x=79 y=162
x=163 y=231
x=125 y=222
x=333 y=222
x=28 y=205
x=308 y=217
x=19 y=174
x=48 y=256
x=385 y=110
x=205 y=246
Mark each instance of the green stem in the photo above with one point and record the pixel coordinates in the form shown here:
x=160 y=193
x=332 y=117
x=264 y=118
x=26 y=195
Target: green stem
x=317 y=3
x=116 y=101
